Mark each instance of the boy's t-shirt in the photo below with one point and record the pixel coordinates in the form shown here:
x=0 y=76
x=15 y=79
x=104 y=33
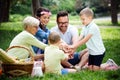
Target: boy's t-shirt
x=95 y=43
x=52 y=59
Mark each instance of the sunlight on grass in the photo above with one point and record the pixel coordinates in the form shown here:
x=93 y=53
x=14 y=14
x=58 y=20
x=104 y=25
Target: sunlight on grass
x=110 y=33
x=11 y=26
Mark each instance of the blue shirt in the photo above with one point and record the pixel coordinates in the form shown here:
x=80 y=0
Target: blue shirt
x=41 y=35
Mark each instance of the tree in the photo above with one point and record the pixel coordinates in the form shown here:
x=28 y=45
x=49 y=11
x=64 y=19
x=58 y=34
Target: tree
x=101 y=6
x=35 y=6
x=114 y=12
x=5 y=6
x=4 y=10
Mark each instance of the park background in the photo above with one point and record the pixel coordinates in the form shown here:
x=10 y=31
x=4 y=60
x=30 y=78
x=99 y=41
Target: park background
x=107 y=17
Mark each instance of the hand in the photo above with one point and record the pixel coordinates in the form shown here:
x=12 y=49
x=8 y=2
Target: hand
x=71 y=56
x=64 y=47
x=73 y=49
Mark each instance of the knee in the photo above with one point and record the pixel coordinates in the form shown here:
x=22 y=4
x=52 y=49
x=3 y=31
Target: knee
x=86 y=55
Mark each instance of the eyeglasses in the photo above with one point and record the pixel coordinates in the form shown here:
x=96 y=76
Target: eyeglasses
x=61 y=23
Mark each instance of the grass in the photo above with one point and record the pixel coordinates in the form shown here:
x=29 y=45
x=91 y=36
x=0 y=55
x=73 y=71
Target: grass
x=111 y=40
x=75 y=20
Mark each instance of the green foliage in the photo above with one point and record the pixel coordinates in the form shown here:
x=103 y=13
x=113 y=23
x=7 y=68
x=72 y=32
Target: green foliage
x=17 y=17
x=53 y=8
x=9 y=31
x=24 y=6
x=21 y=7
x=8 y=36
x=58 y=5
x=69 y=3
x=74 y=13
x=100 y=7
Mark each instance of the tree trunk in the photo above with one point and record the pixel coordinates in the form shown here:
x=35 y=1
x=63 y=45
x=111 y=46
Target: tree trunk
x=114 y=12
x=4 y=10
x=35 y=6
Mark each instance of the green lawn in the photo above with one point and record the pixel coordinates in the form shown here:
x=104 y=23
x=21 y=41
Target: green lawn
x=111 y=40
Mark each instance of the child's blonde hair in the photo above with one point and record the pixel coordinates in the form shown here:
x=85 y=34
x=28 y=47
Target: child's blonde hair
x=54 y=38
x=87 y=11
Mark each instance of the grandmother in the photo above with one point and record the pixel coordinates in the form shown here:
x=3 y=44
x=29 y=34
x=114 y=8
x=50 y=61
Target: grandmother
x=26 y=38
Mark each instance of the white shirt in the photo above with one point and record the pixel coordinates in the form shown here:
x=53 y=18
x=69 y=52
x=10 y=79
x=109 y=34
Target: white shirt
x=68 y=35
x=95 y=43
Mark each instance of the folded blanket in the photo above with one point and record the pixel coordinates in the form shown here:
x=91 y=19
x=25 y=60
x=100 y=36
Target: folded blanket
x=5 y=58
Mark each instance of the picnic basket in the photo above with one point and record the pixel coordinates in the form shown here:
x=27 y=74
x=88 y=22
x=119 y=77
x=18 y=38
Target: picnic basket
x=18 y=68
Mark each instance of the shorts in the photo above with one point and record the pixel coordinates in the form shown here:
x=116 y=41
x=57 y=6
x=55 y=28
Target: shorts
x=64 y=71
x=95 y=59
x=76 y=59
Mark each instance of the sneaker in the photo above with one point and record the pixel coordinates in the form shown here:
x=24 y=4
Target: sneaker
x=72 y=67
x=111 y=62
x=85 y=66
x=113 y=67
x=77 y=68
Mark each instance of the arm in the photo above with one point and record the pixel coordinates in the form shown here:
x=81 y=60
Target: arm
x=39 y=56
x=74 y=39
x=82 y=41
x=75 y=35
x=64 y=46
x=41 y=34
x=80 y=37
x=32 y=41
x=65 y=62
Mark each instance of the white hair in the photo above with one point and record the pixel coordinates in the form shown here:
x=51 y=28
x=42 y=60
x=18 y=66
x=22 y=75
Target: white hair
x=30 y=21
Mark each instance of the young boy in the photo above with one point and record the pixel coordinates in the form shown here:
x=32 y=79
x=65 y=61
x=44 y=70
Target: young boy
x=90 y=35
x=53 y=56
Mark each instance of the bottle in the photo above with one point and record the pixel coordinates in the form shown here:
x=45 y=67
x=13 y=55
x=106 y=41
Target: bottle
x=37 y=69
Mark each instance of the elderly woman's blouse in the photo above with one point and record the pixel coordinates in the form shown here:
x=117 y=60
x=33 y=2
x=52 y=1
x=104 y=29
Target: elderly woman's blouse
x=24 y=39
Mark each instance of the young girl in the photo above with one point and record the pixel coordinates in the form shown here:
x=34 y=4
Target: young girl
x=43 y=15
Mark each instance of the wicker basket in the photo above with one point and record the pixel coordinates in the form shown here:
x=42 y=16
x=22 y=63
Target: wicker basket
x=19 y=68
